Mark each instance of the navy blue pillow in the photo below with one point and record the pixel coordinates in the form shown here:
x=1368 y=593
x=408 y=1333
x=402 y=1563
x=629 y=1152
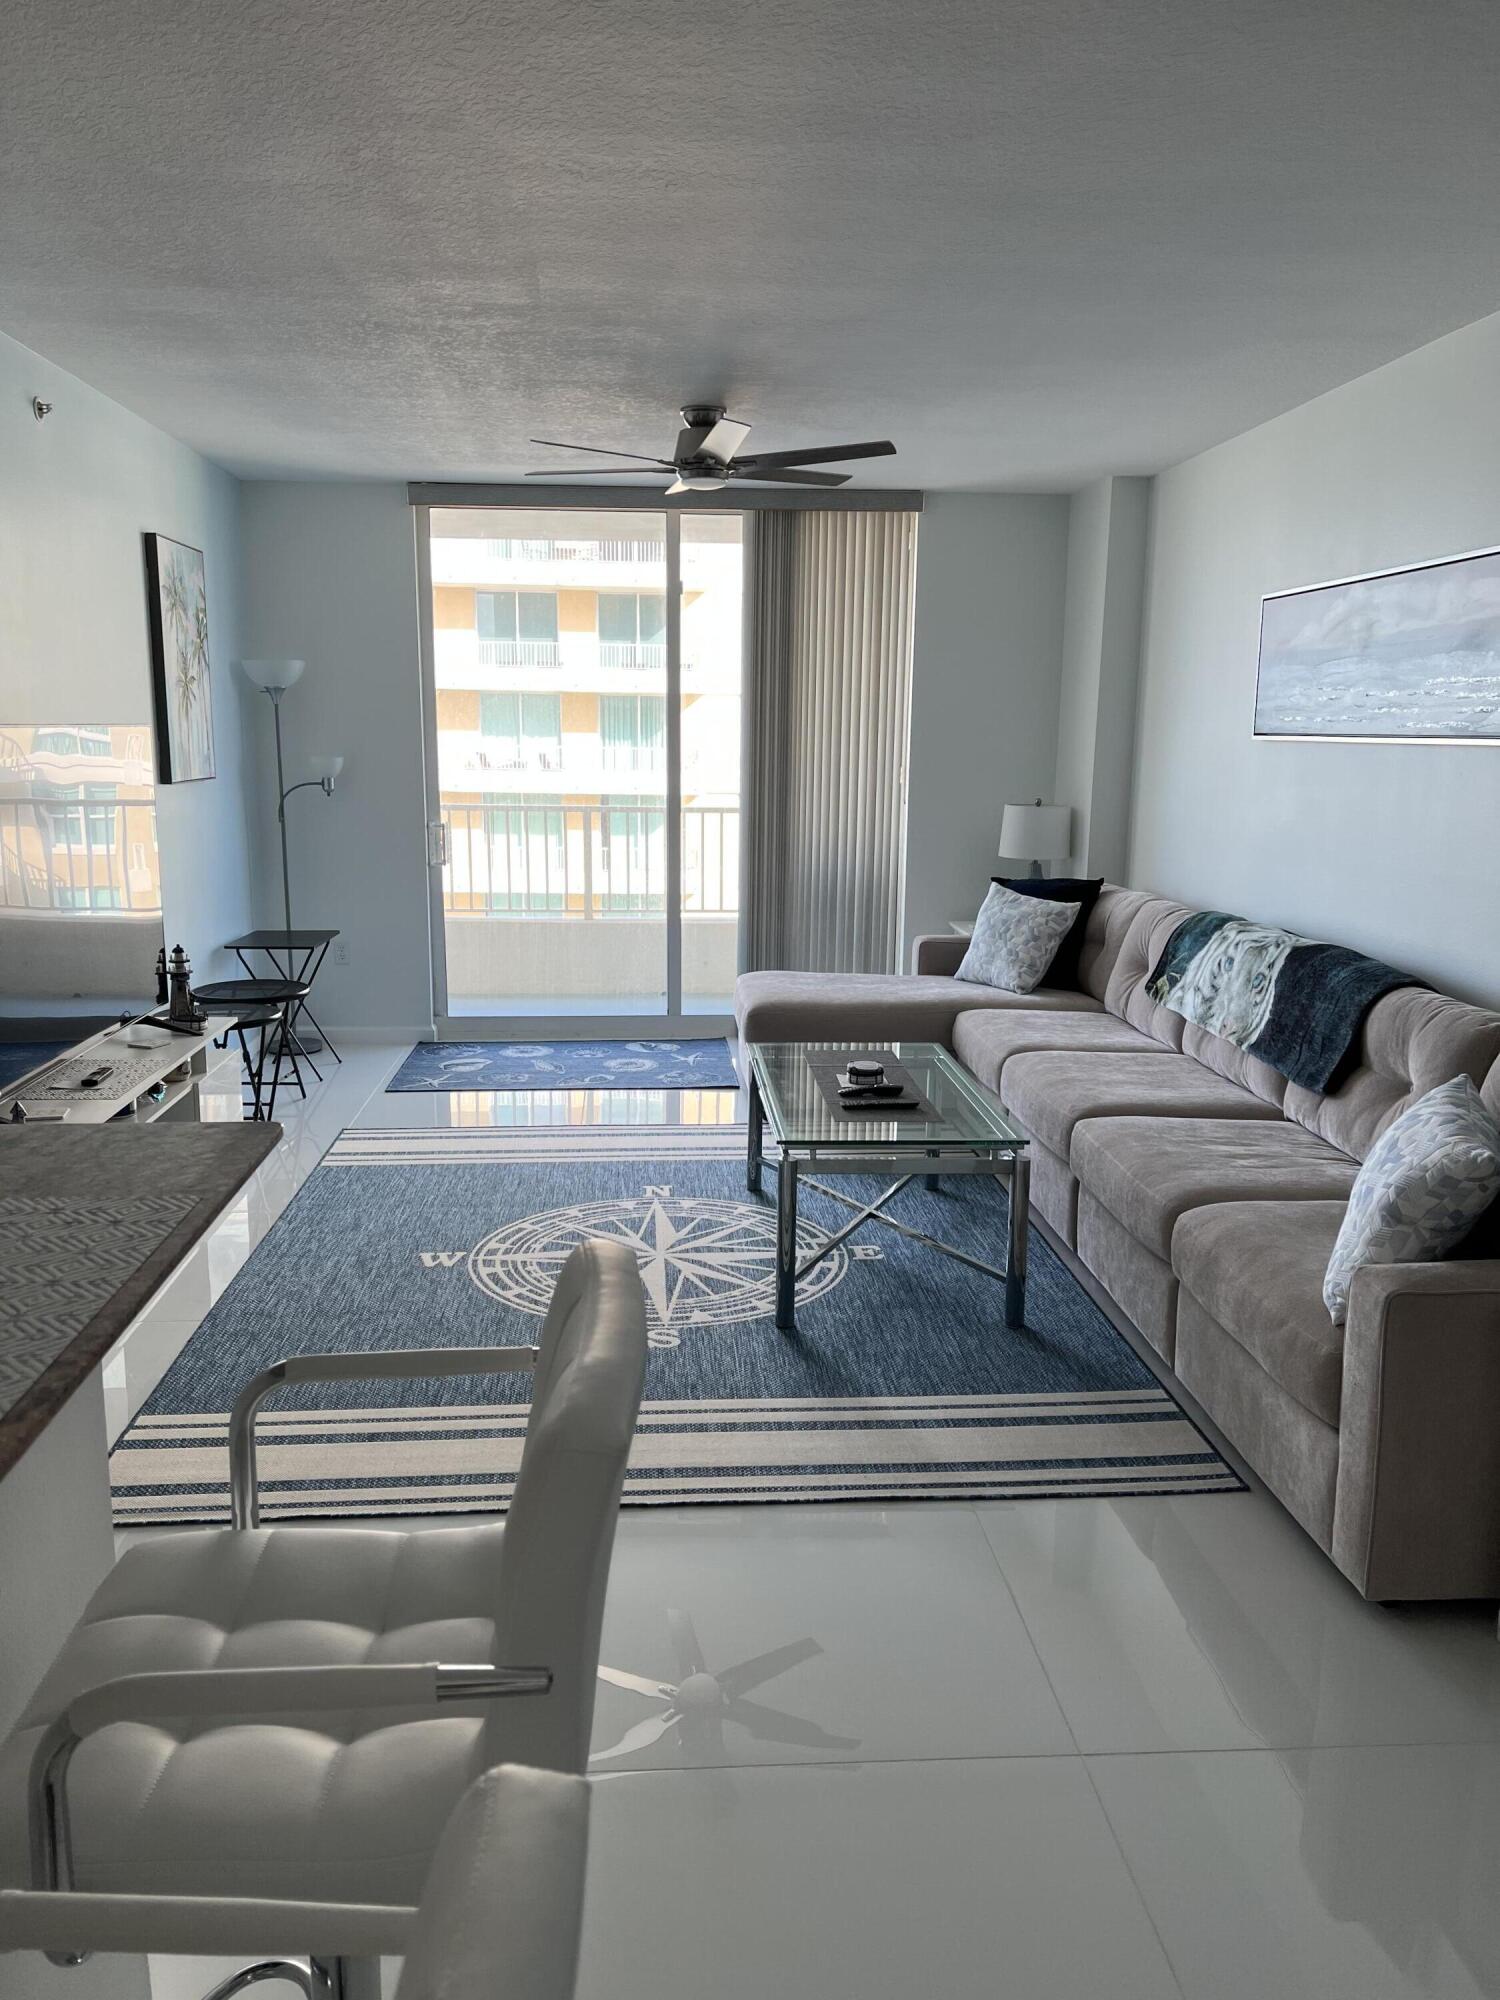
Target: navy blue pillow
x=1063 y=971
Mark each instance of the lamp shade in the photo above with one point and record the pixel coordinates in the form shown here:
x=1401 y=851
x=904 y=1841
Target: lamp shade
x=1036 y=832
x=273 y=675
x=324 y=766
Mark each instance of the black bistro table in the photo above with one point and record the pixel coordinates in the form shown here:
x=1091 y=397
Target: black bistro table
x=298 y=957
x=282 y=997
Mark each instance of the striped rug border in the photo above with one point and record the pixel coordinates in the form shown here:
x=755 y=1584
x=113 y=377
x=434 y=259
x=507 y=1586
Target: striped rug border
x=170 y=1468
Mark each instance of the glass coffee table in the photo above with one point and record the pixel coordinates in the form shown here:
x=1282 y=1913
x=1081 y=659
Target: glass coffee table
x=968 y=1133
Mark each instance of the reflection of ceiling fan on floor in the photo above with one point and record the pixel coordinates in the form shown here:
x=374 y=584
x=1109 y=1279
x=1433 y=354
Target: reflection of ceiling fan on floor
x=707 y=456
x=699 y=1703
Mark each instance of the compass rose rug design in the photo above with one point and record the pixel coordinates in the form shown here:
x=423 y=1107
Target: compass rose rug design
x=902 y=1381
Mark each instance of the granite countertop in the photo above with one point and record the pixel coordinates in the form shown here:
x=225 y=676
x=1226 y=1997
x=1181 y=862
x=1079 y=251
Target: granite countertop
x=93 y=1218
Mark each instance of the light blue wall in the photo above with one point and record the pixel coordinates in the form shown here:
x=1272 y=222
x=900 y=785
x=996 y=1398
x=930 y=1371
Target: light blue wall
x=330 y=575
x=986 y=665
x=1107 y=523
x=1390 y=848
x=77 y=493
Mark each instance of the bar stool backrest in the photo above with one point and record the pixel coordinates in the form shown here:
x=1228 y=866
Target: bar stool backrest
x=559 y=1535
x=501 y=1911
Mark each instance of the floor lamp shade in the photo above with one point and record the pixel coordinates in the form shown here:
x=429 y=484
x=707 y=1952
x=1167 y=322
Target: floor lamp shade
x=1037 y=832
x=273 y=676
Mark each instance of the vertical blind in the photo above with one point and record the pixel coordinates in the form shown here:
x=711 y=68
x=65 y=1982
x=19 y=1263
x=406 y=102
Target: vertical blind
x=832 y=596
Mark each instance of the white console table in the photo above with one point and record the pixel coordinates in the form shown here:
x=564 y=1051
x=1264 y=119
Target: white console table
x=141 y=1071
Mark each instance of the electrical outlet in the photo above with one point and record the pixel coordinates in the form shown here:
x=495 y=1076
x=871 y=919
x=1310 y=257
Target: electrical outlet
x=340 y=953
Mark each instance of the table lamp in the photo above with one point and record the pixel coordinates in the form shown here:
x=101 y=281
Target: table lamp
x=1036 y=833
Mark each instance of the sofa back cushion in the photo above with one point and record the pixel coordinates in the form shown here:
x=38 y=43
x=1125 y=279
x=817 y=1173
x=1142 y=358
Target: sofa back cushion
x=1412 y=1041
x=1147 y=929
x=1108 y=922
x=1236 y=1063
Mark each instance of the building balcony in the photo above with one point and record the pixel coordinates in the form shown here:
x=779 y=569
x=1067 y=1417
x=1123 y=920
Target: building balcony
x=519 y=653
x=576 y=663
x=587 y=862
x=636 y=656
x=617 y=564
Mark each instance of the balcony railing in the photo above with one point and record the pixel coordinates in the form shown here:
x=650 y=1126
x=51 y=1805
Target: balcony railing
x=564 y=549
x=587 y=862
x=637 y=655
x=78 y=855
x=519 y=653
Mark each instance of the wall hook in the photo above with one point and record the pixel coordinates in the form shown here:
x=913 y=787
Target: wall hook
x=39 y=409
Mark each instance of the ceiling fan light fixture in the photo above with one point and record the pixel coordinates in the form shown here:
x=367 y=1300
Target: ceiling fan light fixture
x=706 y=457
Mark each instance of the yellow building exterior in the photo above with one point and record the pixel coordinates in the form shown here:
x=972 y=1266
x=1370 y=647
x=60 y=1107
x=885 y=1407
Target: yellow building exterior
x=78 y=819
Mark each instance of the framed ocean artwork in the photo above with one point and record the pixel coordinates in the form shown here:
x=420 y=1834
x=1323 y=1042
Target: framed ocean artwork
x=181 y=685
x=1400 y=656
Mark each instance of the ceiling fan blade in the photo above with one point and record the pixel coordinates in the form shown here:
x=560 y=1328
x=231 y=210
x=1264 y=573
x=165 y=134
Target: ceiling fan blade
x=597 y=450
x=820 y=454
x=751 y=1674
x=685 y=1643
x=773 y=1725
x=640 y=1736
x=724 y=440
x=679 y=486
x=636 y=1683
x=774 y=478
x=597 y=471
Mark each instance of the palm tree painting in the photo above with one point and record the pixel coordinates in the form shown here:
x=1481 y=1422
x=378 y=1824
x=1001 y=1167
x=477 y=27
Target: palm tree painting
x=177 y=602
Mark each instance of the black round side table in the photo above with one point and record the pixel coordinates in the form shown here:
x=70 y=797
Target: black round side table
x=256 y=993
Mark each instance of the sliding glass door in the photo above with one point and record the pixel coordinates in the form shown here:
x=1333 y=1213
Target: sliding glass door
x=582 y=694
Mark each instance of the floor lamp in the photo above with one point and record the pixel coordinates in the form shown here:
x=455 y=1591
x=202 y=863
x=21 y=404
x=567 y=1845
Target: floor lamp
x=273 y=678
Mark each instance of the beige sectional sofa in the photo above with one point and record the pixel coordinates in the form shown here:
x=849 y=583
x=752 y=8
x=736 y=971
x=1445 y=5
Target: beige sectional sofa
x=1204 y=1193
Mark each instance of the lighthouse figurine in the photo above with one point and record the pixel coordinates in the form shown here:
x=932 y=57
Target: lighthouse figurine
x=183 y=1012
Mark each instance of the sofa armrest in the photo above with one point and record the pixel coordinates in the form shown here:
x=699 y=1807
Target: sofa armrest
x=1417 y=1503
x=939 y=954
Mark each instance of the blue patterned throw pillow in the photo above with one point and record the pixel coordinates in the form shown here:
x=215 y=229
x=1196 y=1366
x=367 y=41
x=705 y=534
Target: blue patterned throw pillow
x=1428 y=1177
x=1015 y=940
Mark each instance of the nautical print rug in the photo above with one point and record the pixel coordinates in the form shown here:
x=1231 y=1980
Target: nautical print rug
x=902 y=1381
x=679 y=1065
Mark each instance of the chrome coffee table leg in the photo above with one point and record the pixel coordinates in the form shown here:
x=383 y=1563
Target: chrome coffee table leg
x=786 y=1246
x=756 y=1121
x=1015 y=1262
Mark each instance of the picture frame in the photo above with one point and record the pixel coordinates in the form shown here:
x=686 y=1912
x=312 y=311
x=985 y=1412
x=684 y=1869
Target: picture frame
x=1408 y=655
x=181 y=671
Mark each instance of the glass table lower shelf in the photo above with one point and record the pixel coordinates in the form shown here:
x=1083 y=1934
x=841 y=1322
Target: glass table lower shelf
x=958 y=1128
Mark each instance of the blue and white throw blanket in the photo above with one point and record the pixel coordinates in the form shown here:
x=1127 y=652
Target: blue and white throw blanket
x=1296 y=1004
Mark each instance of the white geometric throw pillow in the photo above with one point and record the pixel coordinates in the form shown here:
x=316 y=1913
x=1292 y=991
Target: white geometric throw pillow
x=1427 y=1179
x=1015 y=939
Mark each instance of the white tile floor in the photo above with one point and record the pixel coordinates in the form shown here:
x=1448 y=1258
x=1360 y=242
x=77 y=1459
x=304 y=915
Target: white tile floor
x=1048 y=1750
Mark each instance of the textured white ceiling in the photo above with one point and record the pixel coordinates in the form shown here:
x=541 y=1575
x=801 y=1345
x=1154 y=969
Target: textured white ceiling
x=1030 y=240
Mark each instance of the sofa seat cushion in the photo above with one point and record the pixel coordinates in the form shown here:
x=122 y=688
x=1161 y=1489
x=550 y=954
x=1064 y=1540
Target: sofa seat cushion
x=1149 y=1171
x=853 y=1007
x=1049 y=1091
x=1257 y=1268
x=986 y=1039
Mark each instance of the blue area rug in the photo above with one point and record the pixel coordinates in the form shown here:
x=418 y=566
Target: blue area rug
x=18 y=1059
x=901 y=1383
x=679 y=1065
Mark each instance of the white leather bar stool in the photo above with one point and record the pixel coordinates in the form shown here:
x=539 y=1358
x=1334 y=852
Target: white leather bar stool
x=500 y=1911
x=292 y=1713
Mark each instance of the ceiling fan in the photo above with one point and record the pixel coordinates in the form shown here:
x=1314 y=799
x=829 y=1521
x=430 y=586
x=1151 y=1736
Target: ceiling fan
x=707 y=456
